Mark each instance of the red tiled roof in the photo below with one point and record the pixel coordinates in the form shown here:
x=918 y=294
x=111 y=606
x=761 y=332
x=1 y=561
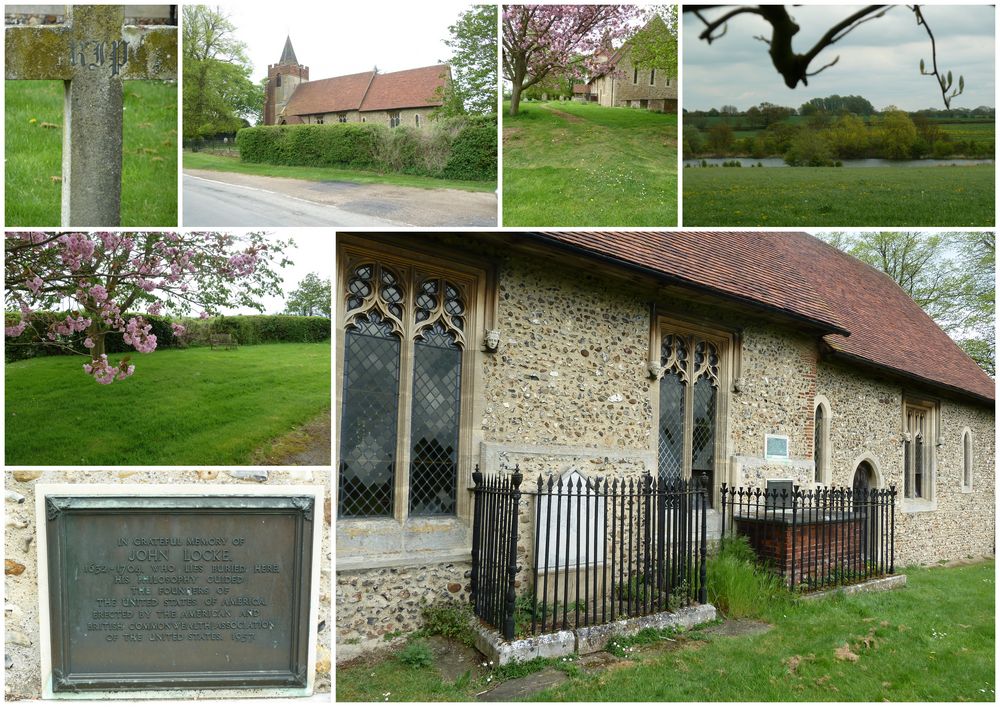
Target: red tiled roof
x=341 y=93
x=867 y=317
x=581 y=88
x=413 y=88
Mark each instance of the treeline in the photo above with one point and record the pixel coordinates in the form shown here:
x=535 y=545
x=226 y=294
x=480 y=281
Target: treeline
x=248 y=330
x=760 y=116
x=822 y=141
x=451 y=148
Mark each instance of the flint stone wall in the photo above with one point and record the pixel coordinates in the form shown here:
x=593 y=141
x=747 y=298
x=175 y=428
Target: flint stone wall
x=21 y=641
x=569 y=389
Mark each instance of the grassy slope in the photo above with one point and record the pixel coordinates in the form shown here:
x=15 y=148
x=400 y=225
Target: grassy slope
x=34 y=154
x=202 y=160
x=193 y=406
x=937 y=644
x=611 y=167
x=877 y=196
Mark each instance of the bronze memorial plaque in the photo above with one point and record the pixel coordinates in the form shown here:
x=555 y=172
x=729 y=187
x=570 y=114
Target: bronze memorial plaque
x=179 y=592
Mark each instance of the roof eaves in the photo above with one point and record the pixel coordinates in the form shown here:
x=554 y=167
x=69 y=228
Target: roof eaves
x=827 y=326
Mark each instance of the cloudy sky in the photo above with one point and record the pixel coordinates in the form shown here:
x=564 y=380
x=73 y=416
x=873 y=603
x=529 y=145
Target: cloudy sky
x=313 y=251
x=879 y=60
x=337 y=38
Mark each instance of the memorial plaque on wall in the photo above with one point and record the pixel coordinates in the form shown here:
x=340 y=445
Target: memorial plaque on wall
x=178 y=592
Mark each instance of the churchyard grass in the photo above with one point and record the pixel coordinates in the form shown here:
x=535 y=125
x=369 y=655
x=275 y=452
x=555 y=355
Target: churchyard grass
x=222 y=163
x=932 y=640
x=182 y=406
x=575 y=164
x=832 y=196
x=34 y=153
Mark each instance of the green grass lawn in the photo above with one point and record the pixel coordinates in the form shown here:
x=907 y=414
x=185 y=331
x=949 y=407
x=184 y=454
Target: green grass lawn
x=575 y=164
x=34 y=153
x=932 y=640
x=203 y=160
x=182 y=406
x=821 y=196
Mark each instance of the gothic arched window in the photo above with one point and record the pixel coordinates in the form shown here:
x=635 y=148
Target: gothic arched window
x=966 y=460
x=404 y=339
x=689 y=408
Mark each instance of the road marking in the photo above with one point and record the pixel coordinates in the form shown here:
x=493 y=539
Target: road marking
x=296 y=198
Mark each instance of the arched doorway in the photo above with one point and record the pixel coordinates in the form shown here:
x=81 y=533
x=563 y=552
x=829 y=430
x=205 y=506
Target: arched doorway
x=866 y=518
x=864 y=480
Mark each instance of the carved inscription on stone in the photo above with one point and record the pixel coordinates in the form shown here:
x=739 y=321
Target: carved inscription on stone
x=213 y=592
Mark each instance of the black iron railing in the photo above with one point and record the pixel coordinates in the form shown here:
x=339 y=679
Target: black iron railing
x=571 y=551
x=818 y=538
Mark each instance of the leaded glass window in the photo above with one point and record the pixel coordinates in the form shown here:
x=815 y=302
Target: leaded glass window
x=407 y=375
x=688 y=421
x=916 y=453
x=818 y=451
x=368 y=430
x=967 y=460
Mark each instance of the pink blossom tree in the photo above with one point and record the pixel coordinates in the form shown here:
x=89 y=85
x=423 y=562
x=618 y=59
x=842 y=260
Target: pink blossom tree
x=105 y=276
x=539 y=40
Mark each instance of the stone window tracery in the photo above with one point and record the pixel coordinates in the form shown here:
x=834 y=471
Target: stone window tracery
x=688 y=407
x=404 y=340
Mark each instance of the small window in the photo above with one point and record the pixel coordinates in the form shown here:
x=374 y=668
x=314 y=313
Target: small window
x=652 y=77
x=668 y=82
x=818 y=434
x=319 y=120
x=635 y=76
x=416 y=119
x=966 y=460
x=918 y=451
x=363 y=120
x=342 y=117
x=394 y=120
x=277 y=81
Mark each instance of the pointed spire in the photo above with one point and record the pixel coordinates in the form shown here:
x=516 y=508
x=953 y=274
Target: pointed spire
x=288 y=54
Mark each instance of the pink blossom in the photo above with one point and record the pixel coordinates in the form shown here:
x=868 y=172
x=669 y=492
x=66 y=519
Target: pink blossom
x=16 y=330
x=34 y=284
x=137 y=335
x=203 y=315
x=178 y=329
x=88 y=343
x=99 y=293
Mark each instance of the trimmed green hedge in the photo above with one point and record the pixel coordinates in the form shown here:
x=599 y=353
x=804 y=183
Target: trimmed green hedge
x=463 y=148
x=248 y=330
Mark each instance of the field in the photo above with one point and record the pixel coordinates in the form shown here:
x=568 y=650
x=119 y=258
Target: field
x=932 y=640
x=232 y=163
x=820 y=196
x=574 y=164
x=182 y=406
x=34 y=153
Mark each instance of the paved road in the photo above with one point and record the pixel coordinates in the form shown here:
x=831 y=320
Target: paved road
x=213 y=203
x=232 y=199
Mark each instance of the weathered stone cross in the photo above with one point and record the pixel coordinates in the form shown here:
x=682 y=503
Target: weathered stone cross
x=94 y=52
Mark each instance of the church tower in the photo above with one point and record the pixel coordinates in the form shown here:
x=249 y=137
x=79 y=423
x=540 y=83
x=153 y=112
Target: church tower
x=282 y=80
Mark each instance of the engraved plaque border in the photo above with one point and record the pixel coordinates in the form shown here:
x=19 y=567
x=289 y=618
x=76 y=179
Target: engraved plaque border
x=57 y=502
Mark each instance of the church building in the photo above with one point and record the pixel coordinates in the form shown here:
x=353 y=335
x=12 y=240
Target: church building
x=395 y=98
x=677 y=354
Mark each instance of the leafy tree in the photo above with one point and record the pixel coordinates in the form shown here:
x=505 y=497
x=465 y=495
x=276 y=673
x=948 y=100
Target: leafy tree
x=219 y=96
x=473 y=44
x=310 y=298
x=950 y=275
x=809 y=149
x=107 y=275
x=541 y=39
x=655 y=45
x=848 y=137
x=720 y=138
x=898 y=135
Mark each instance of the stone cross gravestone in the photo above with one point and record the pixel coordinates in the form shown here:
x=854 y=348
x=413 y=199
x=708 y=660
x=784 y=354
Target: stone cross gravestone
x=166 y=588
x=94 y=52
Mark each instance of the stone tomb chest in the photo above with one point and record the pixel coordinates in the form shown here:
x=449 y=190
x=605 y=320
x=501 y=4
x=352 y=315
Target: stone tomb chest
x=177 y=588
